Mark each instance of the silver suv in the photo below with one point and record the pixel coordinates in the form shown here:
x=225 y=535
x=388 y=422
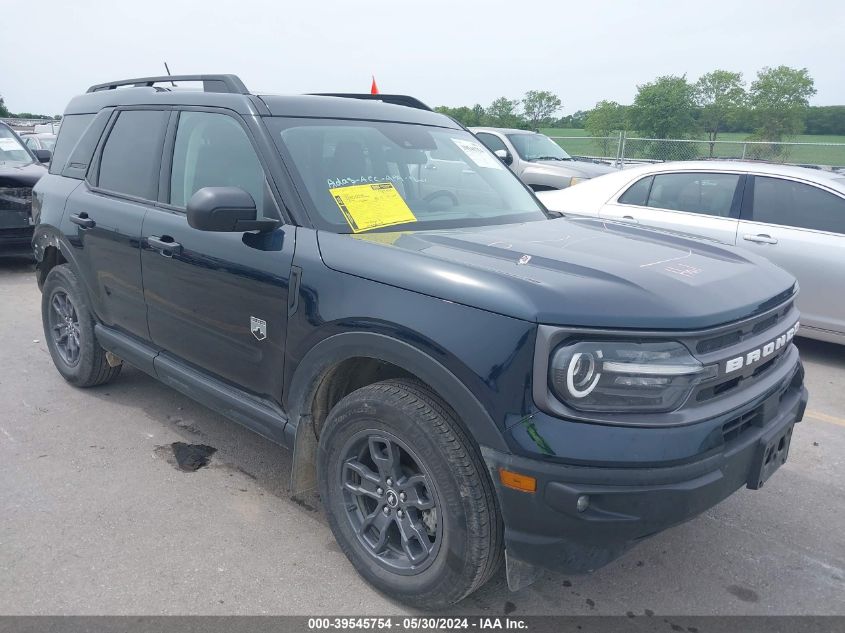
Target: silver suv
x=537 y=160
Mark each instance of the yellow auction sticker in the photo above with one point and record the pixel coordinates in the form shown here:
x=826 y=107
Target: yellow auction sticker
x=372 y=206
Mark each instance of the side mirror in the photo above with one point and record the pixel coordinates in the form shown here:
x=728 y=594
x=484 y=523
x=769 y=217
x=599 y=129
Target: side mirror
x=225 y=209
x=43 y=155
x=504 y=156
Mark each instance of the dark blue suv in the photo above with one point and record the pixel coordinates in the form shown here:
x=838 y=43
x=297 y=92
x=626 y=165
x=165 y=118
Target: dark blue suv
x=464 y=376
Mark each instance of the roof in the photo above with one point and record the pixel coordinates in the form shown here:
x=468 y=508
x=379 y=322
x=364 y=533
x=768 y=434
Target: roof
x=351 y=108
x=761 y=168
x=217 y=92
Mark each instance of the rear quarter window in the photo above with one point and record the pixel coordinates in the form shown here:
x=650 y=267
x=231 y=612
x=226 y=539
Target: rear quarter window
x=637 y=193
x=70 y=132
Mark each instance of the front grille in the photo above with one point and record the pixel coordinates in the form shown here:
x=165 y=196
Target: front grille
x=747 y=330
x=16 y=199
x=735 y=343
x=732 y=429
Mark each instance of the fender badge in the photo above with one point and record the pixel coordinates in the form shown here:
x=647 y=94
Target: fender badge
x=524 y=260
x=258 y=328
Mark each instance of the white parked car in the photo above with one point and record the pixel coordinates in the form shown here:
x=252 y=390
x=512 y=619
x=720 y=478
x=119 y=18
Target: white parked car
x=791 y=215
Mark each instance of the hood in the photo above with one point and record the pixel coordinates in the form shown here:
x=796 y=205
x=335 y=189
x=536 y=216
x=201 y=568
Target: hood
x=20 y=175
x=578 y=272
x=578 y=168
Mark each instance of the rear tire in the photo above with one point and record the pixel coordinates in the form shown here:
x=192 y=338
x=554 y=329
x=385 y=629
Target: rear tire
x=407 y=495
x=69 y=331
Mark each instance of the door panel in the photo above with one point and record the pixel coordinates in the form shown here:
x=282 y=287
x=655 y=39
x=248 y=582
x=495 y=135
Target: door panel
x=721 y=229
x=202 y=296
x=816 y=259
x=109 y=252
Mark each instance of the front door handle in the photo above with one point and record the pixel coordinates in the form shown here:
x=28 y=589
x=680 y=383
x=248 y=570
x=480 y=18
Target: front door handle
x=164 y=245
x=762 y=238
x=82 y=220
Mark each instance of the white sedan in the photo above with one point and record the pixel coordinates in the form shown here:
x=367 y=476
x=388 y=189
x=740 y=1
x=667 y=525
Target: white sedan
x=791 y=215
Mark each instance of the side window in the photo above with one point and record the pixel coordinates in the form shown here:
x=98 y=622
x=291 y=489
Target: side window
x=637 y=193
x=491 y=141
x=71 y=129
x=705 y=193
x=790 y=203
x=213 y=150
x=131 y=157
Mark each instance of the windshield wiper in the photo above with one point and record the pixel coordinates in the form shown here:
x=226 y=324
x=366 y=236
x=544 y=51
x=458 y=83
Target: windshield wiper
x=548 y=158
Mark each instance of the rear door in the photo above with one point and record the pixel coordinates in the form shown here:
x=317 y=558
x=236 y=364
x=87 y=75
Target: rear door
x=800 y=227
x=103 y=216
x=217 y=301
x=699 y=203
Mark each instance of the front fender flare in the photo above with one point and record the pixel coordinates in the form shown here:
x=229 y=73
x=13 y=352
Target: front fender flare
x=334 y=349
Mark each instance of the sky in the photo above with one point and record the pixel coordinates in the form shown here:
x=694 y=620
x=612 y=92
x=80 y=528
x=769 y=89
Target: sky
x=456 y=52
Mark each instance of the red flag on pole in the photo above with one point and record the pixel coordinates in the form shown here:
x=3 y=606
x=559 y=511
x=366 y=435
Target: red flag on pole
x=374 y=87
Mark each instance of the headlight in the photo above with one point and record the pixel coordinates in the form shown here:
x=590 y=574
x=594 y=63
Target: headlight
x=619 y=376
x=574 y=180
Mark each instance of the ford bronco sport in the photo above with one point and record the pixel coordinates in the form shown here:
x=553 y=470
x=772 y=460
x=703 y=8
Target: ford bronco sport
x=464 y=376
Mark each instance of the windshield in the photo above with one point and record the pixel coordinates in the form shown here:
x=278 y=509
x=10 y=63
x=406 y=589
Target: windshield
x=11 y=149
x=371 y=175
x=537 y=147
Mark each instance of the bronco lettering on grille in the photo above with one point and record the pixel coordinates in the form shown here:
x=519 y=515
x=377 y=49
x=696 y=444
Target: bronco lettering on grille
x=756 y=355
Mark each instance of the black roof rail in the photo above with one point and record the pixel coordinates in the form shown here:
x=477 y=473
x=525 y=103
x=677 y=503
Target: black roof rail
x=403 y=100
x=210 y=83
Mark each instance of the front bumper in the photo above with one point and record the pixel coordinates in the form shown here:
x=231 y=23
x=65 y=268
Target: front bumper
x=627 y=504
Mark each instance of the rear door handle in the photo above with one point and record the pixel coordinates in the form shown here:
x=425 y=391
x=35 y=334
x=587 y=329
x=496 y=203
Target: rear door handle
x=631 y=218
x=762 y=238
x=164 y=245
x=82 y=220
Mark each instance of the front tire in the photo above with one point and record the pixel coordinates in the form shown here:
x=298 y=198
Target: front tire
x=69 y=331
x=407 y=495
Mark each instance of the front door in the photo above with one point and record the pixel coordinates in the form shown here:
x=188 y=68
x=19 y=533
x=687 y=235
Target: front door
x=217 y=301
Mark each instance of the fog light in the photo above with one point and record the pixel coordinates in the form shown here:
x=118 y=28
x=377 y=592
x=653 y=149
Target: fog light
x=583 y=503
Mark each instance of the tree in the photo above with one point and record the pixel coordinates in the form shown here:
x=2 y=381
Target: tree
x=4 y=111
x=503 y=112
x=825 y=120
x=604 y=120
x=464 y=115
x=538 y=106
x=720 y=95
x=664 y=108
x=780 y=98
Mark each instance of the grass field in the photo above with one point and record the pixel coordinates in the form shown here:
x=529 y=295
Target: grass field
x=732 y=148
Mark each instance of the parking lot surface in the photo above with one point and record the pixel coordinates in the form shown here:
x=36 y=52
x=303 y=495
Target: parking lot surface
x=96 y=519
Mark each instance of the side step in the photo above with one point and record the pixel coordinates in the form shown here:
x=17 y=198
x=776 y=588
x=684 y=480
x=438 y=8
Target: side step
x=257 y=414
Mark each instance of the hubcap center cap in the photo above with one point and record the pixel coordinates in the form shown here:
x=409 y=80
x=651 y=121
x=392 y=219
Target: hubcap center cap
x=392 y=499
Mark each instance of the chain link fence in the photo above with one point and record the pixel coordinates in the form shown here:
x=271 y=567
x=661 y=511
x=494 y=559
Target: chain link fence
x=623 y=150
